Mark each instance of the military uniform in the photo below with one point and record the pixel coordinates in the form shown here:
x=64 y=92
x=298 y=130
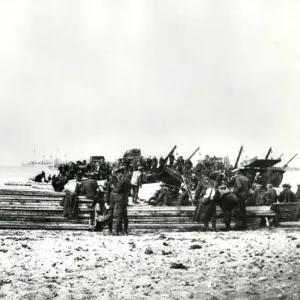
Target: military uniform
x=241 y=190
x=270 y=197
x=119 y=203
x=91 y=190
x=287 y=196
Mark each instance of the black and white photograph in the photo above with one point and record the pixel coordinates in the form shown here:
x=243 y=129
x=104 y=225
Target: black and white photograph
x=150 y=150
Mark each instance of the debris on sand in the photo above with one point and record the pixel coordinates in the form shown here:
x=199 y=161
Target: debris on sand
x=149 y=251
x=178 y=266
x=195 y=247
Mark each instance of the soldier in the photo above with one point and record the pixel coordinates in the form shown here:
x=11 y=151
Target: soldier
x=40 y=177
x=119 y=201
x=149 y=163
x=194 y=182
x=171 y=160
x=227 y=201
x=258 y=195
x=241 y=190
x=271 y=195
x=286 y=196
x=90 y=188
x=184 y=197
x=154 y=163
x=180 y=164
x=161 y=161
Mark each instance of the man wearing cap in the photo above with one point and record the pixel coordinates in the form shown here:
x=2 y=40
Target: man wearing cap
x=286 y=196
x=119 y=200
x=136 y=183
x=241 y=190
x=205 y=210
x=154 y=163
x=259 y=194
x=90 y=188
x=271 y=195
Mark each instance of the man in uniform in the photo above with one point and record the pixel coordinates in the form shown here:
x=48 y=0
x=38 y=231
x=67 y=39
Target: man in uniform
x=119 y=200
x=286 y=196
x=154 y=163
x=180 y=164
x=91 y=190
x=171 y=160
x=241 y=190
x=271 y=195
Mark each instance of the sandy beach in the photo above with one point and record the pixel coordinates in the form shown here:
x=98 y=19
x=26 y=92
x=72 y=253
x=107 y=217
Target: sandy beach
x=41 y=265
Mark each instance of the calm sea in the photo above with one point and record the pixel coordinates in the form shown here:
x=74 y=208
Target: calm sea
x=21 y=174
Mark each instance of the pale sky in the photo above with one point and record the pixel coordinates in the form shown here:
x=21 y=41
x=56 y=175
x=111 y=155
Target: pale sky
x=100 y=77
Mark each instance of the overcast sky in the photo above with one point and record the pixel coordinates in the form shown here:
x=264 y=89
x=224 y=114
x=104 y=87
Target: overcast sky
x=100 y=77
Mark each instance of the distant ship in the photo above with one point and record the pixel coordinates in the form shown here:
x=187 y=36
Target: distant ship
x=51 y=164
x=43 y=163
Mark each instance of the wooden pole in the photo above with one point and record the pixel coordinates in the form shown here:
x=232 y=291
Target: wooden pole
x=193 y=153
x=238 y=158
x=269 y=152
x=290 y=160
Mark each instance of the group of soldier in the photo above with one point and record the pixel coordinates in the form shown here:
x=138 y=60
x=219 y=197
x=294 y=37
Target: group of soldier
x=212 y=183
x=235 y=192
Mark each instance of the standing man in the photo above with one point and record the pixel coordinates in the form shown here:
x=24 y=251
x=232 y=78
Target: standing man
x=180 y=164
x=171 y=160
x=241 y=190
x=119 y=201
x=154 y=163
x=136 y=183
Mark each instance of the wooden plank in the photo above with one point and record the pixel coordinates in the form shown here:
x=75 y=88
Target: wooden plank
x=30 y=223
x=4 y=198
x=32 y=193
x=43 y=227
x=38 y=213
x=43 y=209
x=57 y=219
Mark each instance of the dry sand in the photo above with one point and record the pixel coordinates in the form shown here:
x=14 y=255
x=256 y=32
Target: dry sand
x=87 y=265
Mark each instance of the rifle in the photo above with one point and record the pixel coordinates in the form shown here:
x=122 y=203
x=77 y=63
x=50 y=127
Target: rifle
x=193 y=153
x=269 y=152
x=290 y=160
x=238 y=158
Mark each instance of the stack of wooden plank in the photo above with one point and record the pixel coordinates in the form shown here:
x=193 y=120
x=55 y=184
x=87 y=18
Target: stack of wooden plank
x=180 y=218
x=40 y=210
x=288 y=214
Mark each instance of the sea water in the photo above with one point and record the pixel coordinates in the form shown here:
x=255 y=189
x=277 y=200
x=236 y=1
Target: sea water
x=21 y=174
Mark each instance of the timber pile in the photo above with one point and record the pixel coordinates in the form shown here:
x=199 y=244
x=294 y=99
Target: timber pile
x=42 y=210
x=170 y=218
x=288 y=214
x=18 y=183
x=39 y=210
